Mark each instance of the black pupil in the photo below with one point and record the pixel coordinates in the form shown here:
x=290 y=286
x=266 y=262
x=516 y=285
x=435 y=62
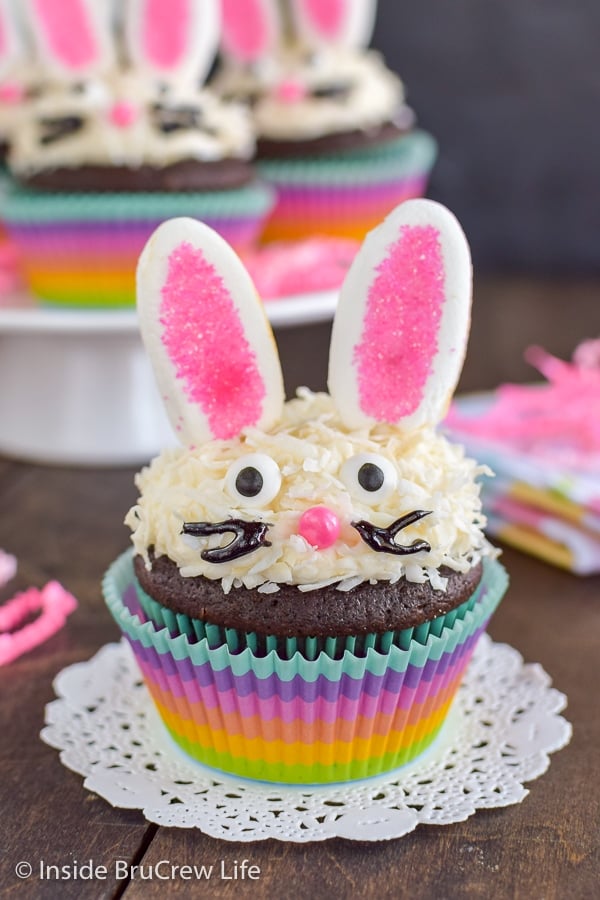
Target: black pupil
x=249 y=482
x=370 y=477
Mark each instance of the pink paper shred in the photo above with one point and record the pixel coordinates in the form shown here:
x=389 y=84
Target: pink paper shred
x=558 y=422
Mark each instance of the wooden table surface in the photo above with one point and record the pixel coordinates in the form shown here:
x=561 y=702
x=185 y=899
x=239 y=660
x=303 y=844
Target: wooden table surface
x=65 y=523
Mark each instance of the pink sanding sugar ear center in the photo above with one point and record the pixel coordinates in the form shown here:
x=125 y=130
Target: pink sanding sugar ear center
x=326 y=16
x=245 y=28
x=165 y=29
x=401 y=325
x=69 y=33
x=205 y=341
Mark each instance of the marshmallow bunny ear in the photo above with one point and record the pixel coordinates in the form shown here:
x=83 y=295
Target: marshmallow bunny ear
x=346 y=23
x=73 y=37
x=251 y=29
x=172 y=39
x=401 y=327
x=11 y=47
x=207 y=335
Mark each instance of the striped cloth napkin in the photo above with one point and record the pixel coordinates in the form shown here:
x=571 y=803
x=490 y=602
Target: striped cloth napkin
x=543 y=443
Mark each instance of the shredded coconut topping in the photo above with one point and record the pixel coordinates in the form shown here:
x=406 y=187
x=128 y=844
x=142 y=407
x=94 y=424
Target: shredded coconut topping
x=310 y=445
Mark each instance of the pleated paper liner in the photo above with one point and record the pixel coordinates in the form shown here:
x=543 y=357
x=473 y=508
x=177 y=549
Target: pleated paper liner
x=300 y=720
x=261 y=644
x=346 y=194
x=81 y=250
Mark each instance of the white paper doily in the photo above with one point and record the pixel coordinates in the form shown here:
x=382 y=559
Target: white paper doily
x=503 y=724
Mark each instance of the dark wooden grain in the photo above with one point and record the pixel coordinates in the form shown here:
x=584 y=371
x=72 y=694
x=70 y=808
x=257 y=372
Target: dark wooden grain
x=67 y=524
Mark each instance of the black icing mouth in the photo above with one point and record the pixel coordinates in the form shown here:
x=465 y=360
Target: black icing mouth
x=382 y=539
x=247 y=537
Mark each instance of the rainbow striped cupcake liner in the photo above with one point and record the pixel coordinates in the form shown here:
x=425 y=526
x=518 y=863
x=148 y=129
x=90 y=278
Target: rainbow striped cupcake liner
x=346 y=194
x=81 y=250
x=298 y=720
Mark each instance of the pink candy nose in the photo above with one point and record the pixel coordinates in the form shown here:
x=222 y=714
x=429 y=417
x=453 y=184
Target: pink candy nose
x=320 y=526
x=11 y=93
x=291 y=90
x=123 y=114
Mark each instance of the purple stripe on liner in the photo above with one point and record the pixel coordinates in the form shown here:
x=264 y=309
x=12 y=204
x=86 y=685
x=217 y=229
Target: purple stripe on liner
x=358 y=192
x=321 y=710
x=163 y=666
x=93 y=237
x=132 y=603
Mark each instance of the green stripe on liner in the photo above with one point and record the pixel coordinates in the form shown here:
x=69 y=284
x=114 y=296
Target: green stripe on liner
x=18 y=204
x=314 y=773
x=120 y=576
x=410 y=155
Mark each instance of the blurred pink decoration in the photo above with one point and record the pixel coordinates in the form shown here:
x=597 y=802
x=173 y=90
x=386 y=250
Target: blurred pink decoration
x=301 y=267
x=53 y=603
x=10 y=279
x=558 y=422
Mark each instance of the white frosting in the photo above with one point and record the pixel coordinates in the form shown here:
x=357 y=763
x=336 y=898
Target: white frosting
x=24 y=76
x=375 y=97
x=311 y=445
x=101 y=142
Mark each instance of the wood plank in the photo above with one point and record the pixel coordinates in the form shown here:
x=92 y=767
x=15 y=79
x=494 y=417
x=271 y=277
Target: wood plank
x=64 y=524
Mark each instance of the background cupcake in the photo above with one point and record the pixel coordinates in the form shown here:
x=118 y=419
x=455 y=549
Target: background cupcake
x=120 y=139
x=335 y=136
x=310 y=578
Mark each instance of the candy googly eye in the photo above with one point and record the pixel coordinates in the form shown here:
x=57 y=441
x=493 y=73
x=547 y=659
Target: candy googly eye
x=369 y=477
x=253 y=480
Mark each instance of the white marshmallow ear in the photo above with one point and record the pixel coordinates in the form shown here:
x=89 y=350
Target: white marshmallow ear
x=342 y=23
x=173 y=39
x=251 y=29
x=207 y=335
x=11 y=46
x=401 y=327
x=73 y=37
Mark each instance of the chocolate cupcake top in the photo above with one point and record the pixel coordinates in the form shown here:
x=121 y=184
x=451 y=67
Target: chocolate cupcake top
x=304 y=70
x=341 y=489
x=126 y=91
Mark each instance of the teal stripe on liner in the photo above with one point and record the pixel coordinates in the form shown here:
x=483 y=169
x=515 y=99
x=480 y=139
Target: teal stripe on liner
x=21 y=205
x=409 y=155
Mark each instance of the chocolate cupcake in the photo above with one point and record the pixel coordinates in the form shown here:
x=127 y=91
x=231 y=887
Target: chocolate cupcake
x=335 y=136
x=122 y=138
x=308 y=579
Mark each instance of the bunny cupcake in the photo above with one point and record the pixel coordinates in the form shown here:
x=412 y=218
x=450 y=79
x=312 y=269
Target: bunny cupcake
x=334 y=132
x=122 y=138
x=308 y=579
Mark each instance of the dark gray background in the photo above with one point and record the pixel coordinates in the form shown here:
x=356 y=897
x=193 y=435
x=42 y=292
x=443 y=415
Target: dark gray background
x=511 y=90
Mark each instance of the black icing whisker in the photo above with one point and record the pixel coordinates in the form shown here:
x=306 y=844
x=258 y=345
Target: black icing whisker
x=340 y=90
x=56 y=128
x=247 y=536
x=382 y=539
x=180 y=118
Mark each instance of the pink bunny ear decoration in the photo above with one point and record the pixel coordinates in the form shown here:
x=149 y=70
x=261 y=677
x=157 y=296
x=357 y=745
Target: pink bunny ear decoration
x=173 y=39
x=401 y=327
x=73 y=37
x=346 y=23
x=251 y=28
x=207 y=335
